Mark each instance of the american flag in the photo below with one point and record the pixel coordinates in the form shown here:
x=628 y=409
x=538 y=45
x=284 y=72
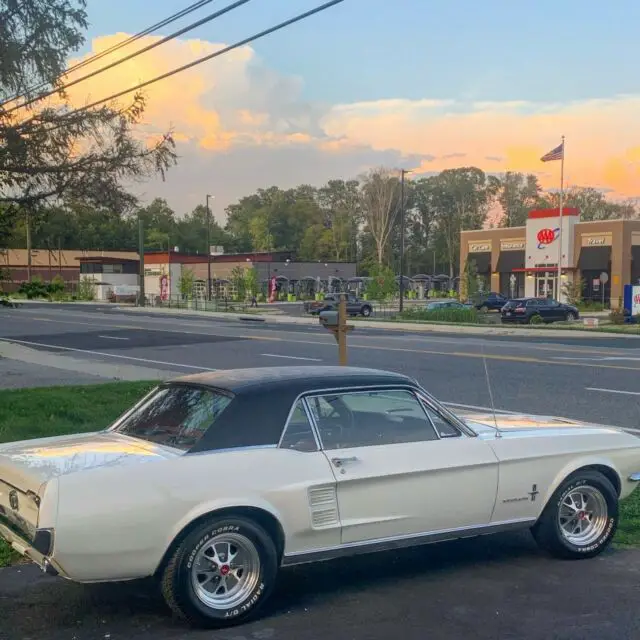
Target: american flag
x=554 y=154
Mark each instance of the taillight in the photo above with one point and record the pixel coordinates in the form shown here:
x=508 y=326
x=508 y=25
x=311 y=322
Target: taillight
x=519 y=310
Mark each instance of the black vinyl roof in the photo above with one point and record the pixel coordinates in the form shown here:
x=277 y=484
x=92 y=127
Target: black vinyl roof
x=264 y=396
x=304 y=378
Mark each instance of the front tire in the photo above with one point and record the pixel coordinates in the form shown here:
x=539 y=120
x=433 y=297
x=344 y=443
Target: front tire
x=366 y=312
x=581 y=517
x=221 y=574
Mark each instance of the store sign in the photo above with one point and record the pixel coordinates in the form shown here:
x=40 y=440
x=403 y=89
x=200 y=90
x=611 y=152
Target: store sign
x=512 y=246
x=152 y=272
x=164 y=288
x=479 y=248
x=635 y=301
x=547 y=236
x=596 y=242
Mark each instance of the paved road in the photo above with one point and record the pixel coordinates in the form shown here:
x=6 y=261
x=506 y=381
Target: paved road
x=497 y=587
x=593 y=379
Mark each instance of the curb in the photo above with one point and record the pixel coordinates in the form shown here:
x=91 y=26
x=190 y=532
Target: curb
x=390 y=326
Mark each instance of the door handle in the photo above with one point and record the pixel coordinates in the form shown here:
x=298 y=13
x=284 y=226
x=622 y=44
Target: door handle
x=340 y=462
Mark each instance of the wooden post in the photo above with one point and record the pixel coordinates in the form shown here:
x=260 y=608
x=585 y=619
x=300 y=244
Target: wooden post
x=342 y=331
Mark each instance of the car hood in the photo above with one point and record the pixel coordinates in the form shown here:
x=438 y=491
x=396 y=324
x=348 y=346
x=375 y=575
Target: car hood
x=528 y=424
x=27 y=465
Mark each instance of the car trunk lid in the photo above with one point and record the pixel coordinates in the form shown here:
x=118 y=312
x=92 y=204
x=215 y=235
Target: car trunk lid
x=28 y=465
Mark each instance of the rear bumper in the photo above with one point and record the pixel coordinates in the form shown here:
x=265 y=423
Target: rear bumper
x=29 y=549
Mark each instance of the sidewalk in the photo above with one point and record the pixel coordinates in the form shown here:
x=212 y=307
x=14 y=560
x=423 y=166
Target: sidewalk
x=498 y=330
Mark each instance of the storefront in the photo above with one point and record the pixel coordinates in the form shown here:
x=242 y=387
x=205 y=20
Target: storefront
x=523 y=261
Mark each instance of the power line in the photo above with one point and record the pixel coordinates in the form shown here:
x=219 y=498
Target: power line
x=135 y=54
x=83 y=63
x=236 y=45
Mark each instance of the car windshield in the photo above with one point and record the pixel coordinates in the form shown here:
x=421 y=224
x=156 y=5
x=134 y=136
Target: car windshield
x=177 y=416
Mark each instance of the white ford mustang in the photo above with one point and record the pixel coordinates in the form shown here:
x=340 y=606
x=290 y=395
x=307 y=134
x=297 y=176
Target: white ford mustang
x=212 y=482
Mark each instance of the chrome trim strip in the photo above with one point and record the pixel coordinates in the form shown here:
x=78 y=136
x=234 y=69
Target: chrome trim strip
x=446 y=414
x=211 y=452
x=400 y=542
x=300 y=399
x=635 y=477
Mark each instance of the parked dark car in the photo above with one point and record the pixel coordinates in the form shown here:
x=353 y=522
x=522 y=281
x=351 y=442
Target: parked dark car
x=530 y=310
x=447 y=304
x=491 y=302
x=355 y=306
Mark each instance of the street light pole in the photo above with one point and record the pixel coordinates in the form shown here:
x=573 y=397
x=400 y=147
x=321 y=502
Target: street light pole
x=403 y=172
x=208 y=249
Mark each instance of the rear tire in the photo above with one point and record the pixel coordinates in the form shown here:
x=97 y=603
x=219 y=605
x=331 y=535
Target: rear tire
x=222 y=573
x=580 y=519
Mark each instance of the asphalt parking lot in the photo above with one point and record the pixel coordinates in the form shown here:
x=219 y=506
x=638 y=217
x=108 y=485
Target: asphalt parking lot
x=498 y=587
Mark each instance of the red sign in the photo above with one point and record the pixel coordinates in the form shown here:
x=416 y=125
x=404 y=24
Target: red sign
x=547 y=236
x=164 y=288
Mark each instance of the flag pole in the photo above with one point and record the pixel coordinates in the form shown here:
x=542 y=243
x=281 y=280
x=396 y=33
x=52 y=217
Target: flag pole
x=559 y=278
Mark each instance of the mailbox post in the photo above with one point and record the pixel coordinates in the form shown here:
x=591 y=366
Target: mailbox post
x=336 y=322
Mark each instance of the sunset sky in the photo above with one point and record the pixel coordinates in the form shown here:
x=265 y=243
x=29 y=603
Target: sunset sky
x=428 y=85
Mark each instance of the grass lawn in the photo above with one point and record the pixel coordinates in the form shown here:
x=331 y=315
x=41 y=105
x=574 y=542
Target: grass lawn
x=51 y=411
x=33 y=413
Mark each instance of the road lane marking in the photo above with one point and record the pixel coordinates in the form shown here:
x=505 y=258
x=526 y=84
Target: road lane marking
x=456 y=354
x=275 y=355
x=113 y=338
x=106 y=355
x=626 y=393
x=598 y=359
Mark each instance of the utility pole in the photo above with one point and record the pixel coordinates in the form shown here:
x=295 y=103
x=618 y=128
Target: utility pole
x=208 y=249
x=403 y=172
x=141 y=293
x=28 y=224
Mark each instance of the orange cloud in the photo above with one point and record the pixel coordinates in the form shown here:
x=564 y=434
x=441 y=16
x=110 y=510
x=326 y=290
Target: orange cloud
x=234 y=102
x=602 y=140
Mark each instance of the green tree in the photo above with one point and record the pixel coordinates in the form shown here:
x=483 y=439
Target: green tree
x=517 y=194
x=238 y=281
x=58 y=153
x=187 y=278
x=251 y=281
x=341 y=208
x=383 y=285
x=469 y=281
x=380 y=207
x=593 y=204
x=461 y=198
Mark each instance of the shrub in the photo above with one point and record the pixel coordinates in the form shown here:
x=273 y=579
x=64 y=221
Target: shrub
x=453 y=316
x=36 y=288
x=616 y=316
x=537 y=319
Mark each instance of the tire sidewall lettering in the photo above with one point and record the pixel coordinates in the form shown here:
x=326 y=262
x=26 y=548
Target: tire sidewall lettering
x=252 y=600
x=604 y=537
x=206 y=537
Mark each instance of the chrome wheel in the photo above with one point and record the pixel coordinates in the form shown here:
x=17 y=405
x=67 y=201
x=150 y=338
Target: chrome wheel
x=583 y=516
x=226 y=571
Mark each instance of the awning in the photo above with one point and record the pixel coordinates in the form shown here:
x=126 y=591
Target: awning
x=482 y=260
x=510 y=260
x=594 y=258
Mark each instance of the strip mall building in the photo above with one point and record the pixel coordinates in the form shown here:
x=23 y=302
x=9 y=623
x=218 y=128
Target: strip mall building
x=523 y=261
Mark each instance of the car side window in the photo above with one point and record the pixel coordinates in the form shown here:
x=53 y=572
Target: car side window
x=444 y=428
x=532 y=303
x=298 y=434
x=366 y=419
